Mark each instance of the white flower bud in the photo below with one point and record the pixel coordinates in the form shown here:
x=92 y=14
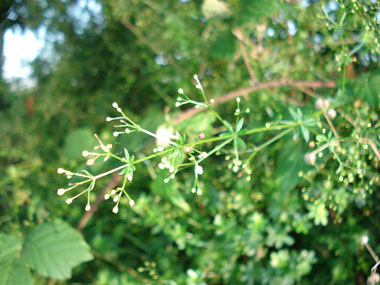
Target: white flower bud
x=85 y=153
x=88 y=208
x=108 y=119
x=115 y=105
x=180 y=91
x=60 y=191
x=60 y=170
x=212 y=101
x=115 y=134
x=309 y=158
x=115 y=209
x=199 y=169
x=131 y=203
x=331 y=113
x=127 y=130
x=238 y=99
x=68 y=201
x=193 y=190
x=364 y=240
x=106 y=196
x=115 y=199
x=322 y=104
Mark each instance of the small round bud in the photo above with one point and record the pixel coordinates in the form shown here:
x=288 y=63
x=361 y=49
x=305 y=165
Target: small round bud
x=238 y=99
x=177 y=104
x=68 y=201
x=115 y=209
x=187 y=149
x=85 y=153
x=88 y=208
x=193 y=190
x=201 y=136
x=199 y=169
x=180 y=91
x=364 y=240
x=115 y=134
x=106 y=196
x=322 y=104
x=131 y=203
x=127 y=130
x=60 y=170
x=115 y=105
x=108 y=119
x=331 y=113
x=90 y=162
x=309 y=158
x=60 y=191
x=199 y=191
x=115 y=199
x=171 y=169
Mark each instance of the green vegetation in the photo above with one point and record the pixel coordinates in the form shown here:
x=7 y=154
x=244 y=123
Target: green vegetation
x=237 y=142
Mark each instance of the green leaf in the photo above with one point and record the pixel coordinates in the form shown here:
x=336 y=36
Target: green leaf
x=253 y=11
x=241 y=143
x=9 y=247
x=305 y=133
x=11 y=271
x=54 y=249
x=224 y=45
x=14 y=273
x=239 y=124
x=78 y=141
x=367 y=87
x=169 y=191
x=228 y=126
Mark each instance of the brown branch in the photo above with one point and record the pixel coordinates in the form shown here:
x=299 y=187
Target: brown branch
x=257 y=86
x=239 y=34
x=87 y=215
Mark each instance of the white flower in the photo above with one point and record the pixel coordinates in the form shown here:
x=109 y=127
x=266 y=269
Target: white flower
x=115 y=199
x=199 y=169
x=193 y=190
x=364 y=240
x=129 y=177
x=199 y=191
x=163 y=135
x=84 y=153
x=180 y=91
x=60 y=191
x=309 y=158
x=331 y=113
x=131 y=203
x=106 y=196
x=127 y=130
x=115 y=209
x=68 y=201
x=115 y=105
x=238 y=99
x=60 y=170
x=115 y=134
x=88 y=208
x=322 y=103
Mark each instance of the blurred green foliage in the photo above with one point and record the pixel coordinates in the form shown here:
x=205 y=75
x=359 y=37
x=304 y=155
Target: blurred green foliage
x=288 y=223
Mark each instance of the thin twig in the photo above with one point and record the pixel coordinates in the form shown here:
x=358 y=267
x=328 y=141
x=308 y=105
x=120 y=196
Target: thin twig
x=239 y=34
x=87 y=215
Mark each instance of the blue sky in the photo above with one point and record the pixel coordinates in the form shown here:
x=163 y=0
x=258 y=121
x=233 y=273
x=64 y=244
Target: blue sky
x=19 y=49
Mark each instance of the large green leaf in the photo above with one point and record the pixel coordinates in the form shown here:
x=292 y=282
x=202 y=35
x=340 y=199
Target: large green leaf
x=14 y=273
x=77 y=141
x=367 y=87
x=251 y=11
x=54 y=249
x=11 y=271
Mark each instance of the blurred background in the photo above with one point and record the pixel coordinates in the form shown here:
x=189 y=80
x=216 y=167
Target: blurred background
x=63 y=63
